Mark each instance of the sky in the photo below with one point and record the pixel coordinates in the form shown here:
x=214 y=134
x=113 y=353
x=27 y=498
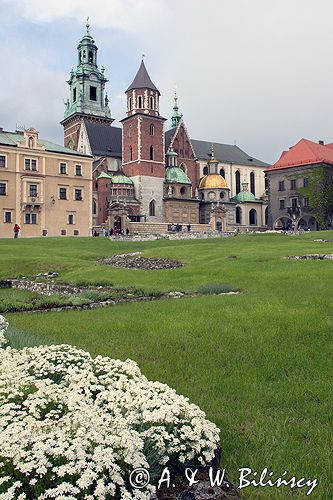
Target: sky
x=256 y=73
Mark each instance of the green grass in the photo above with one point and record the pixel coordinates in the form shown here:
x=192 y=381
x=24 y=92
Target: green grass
x=257 y=363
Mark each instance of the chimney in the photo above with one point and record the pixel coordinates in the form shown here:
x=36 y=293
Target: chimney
x=321 y=143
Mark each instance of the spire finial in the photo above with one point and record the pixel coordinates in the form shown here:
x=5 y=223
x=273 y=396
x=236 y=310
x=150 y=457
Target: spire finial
x=176 y=117
x=88 y=25
x=143 y=56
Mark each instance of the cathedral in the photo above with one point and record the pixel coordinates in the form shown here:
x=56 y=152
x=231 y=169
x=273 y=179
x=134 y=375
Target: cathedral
x=148 y=178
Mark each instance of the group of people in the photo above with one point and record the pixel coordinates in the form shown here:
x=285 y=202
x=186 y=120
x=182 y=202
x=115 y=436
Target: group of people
x=177 y=228
x=113 y=232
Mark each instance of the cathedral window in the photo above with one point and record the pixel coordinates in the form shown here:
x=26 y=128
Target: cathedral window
x=252 y=183
x=151 y=153
x=139 y=102
x=131 y=153
x=205 y=170
x=151 y=102
x=74 y=95
x=222 y=172
x=152 y=208
x=94 y=207
x=238 y=184
x=91 y=57
x=151 y=129
x=93 y=93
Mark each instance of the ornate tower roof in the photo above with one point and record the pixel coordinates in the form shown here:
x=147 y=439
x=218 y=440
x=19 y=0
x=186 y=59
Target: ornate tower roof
x=142 y=80
x=176 y=117
x=87 y=83
x=245 y=194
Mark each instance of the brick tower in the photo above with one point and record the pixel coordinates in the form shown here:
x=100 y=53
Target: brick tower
x=87 y=85
x=143 y=144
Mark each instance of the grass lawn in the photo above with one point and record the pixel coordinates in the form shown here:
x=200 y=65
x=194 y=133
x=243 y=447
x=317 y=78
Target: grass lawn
x=257 y=363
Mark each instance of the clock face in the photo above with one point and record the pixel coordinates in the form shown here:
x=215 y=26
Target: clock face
x=212 y=195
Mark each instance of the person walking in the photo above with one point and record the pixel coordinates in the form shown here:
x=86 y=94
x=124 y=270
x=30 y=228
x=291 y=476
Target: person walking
x=16 y=230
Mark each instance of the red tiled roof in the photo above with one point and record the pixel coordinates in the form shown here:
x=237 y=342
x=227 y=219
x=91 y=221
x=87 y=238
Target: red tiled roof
x=305 y=152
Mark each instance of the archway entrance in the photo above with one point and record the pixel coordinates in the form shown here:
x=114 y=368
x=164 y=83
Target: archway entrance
x=253 y=217
x=117 y=223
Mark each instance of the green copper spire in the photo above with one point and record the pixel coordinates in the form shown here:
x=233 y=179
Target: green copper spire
x=175 y=119
x=87 y=82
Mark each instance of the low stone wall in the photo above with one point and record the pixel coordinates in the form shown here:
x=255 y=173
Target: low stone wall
x=163 y=228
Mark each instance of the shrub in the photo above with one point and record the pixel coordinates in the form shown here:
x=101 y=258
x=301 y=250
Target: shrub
x=75 y=427
x=215 y=288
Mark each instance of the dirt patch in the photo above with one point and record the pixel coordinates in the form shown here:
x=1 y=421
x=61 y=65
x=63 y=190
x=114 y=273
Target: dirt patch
x=136 y=261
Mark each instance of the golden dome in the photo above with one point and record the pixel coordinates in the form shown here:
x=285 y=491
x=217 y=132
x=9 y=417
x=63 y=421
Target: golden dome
x=213 y=181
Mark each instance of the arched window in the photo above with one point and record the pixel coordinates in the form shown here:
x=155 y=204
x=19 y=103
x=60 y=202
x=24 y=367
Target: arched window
x=152 y=208
x=94 y=207
x=139 y=102
x=252 y=183
x=91 y=57
x=205 y=170
x=151 y=129
x=131 y=153
x=130 y=131
x=183 y=167
x=151 y=153
x=253 y=217
x=238 y=184
x=151 y=102
x=222 y=172
x=238 y=215
x=130 y=103
x=182 y=190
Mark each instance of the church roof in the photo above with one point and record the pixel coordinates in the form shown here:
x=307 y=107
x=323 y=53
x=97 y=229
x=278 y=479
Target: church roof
x=176 y=175
x=142 y=80
x=244 y=196
x=305 y=152
x=104 y=140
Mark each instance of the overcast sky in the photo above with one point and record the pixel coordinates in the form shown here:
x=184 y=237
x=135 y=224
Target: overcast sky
x=257 y=73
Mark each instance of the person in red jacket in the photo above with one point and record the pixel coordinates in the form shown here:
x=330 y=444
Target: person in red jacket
x=16 y=230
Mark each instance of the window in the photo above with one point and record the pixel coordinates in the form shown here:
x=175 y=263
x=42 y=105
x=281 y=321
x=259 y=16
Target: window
x=74 y=95
x=238 y=184
x=305 y=182
x=63 y=232
x=130 y=131
x=63 y=168
x=151 y=129
x=282 y=204
x=3 y=189
x=151 y=153
x=131 y=153
x=294 y=202
x=93 y=93
x=31 y=142
x=30 y=218
x=281 y=185
x=182 y=190
x=33 y=190
x=221 y=194
x=8 y=217
x=78 y=194
x=238 y=215
x=63 y=193
x=78 y=170
x=306 y=202
x=222 y=172
x=293 y=184
x=70 y=219
x=252 y=183
x=151 y=102
x=266 y=183
x=253 y=217
x=2 y=161
x=152 y=208
x=90 y=57
x=205 y=171
x=94 y=207
x=76 y=232
x=140 y=102
x=130 y=103
x=30 y=164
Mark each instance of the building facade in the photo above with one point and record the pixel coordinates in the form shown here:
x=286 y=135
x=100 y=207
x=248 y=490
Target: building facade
x=291 y=179
x=141 y=151
x=44 y=188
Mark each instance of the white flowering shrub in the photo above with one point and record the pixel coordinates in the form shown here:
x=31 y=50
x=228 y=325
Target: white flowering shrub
x=74 y=427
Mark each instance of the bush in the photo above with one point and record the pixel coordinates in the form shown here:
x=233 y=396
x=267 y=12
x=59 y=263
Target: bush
x=215 y=288
x=76 y=427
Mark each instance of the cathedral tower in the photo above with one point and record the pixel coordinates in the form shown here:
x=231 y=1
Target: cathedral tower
x=143 y=144
x=87 y=85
